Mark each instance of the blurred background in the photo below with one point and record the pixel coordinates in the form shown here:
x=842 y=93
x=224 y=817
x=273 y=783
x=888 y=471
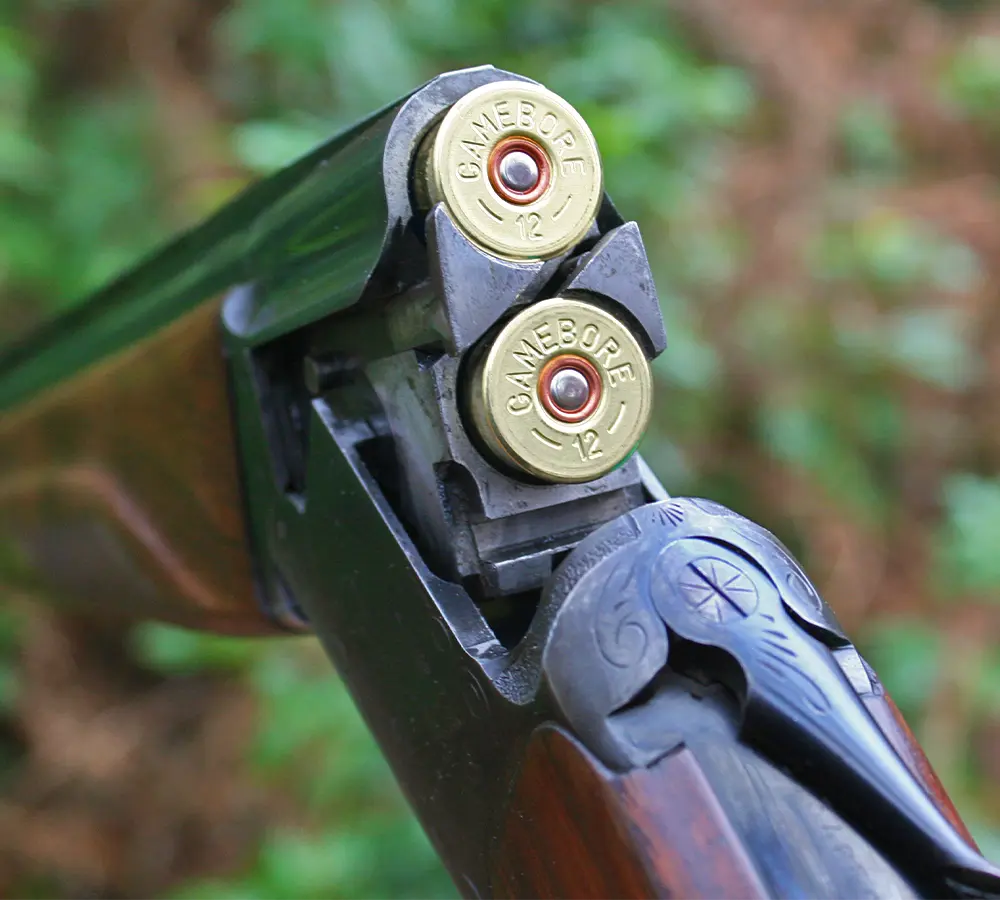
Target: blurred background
x=819 y=189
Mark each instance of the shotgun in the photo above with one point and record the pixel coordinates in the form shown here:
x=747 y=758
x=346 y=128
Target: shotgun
x=391 y=395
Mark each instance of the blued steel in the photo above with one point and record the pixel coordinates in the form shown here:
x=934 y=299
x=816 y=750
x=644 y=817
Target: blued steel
x=276 y=227
x=309 y=237
x=327 y=516
x=631 y=285
x=693 y=572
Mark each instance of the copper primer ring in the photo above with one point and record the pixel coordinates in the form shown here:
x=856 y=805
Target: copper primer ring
x=587 y=369
x=538 y=155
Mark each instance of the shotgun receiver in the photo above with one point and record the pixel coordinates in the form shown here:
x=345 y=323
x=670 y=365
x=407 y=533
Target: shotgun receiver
x=391 y=394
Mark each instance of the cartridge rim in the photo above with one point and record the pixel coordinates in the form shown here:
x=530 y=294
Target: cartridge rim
x=462 y=170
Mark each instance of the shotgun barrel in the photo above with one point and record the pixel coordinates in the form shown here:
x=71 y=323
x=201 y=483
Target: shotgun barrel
x=392 y=395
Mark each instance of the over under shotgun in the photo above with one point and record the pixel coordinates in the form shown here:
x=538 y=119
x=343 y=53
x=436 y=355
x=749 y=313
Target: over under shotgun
x=391 y=394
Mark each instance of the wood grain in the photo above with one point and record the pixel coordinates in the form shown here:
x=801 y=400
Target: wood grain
x=120 y=492
x=891 y=721
x=574 y=829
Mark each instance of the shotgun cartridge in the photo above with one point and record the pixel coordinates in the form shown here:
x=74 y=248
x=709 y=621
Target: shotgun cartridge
x=563 y=393
x=518 y=169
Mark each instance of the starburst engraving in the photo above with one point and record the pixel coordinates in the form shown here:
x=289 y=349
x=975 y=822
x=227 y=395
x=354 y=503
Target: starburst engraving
x=718 y=590
x=671 y=514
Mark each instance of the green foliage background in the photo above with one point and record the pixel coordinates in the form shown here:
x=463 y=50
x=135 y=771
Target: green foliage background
x=823 y=224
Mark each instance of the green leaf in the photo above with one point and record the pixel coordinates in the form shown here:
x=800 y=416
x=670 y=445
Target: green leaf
x=18 y=75
x=366 y=52
x=894 y=253
x=868 y=133
x=968 y=553
x=988 y=684
x=953 y=266
x=297 y=865
x=287 y=30
x=709 y=257
x=691 y=362
x=929 y=344
x=268 y=145
x=987 y=836
x=168 y=648
x=880 y=419
x=971 y=80
x=803 y=432
x=906 y=653
x=23 y=162
x=228 y=889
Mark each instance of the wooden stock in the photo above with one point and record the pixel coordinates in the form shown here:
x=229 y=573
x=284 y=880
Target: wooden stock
x=574 y=829
x=119 y=489
x=713 y=822
x=892 y=723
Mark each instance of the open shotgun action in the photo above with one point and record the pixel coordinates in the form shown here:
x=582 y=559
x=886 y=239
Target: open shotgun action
x=392 y=395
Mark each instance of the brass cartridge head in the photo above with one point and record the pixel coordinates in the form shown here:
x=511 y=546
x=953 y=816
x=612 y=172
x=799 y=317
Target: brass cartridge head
x=563 y=393
x=517 y=168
